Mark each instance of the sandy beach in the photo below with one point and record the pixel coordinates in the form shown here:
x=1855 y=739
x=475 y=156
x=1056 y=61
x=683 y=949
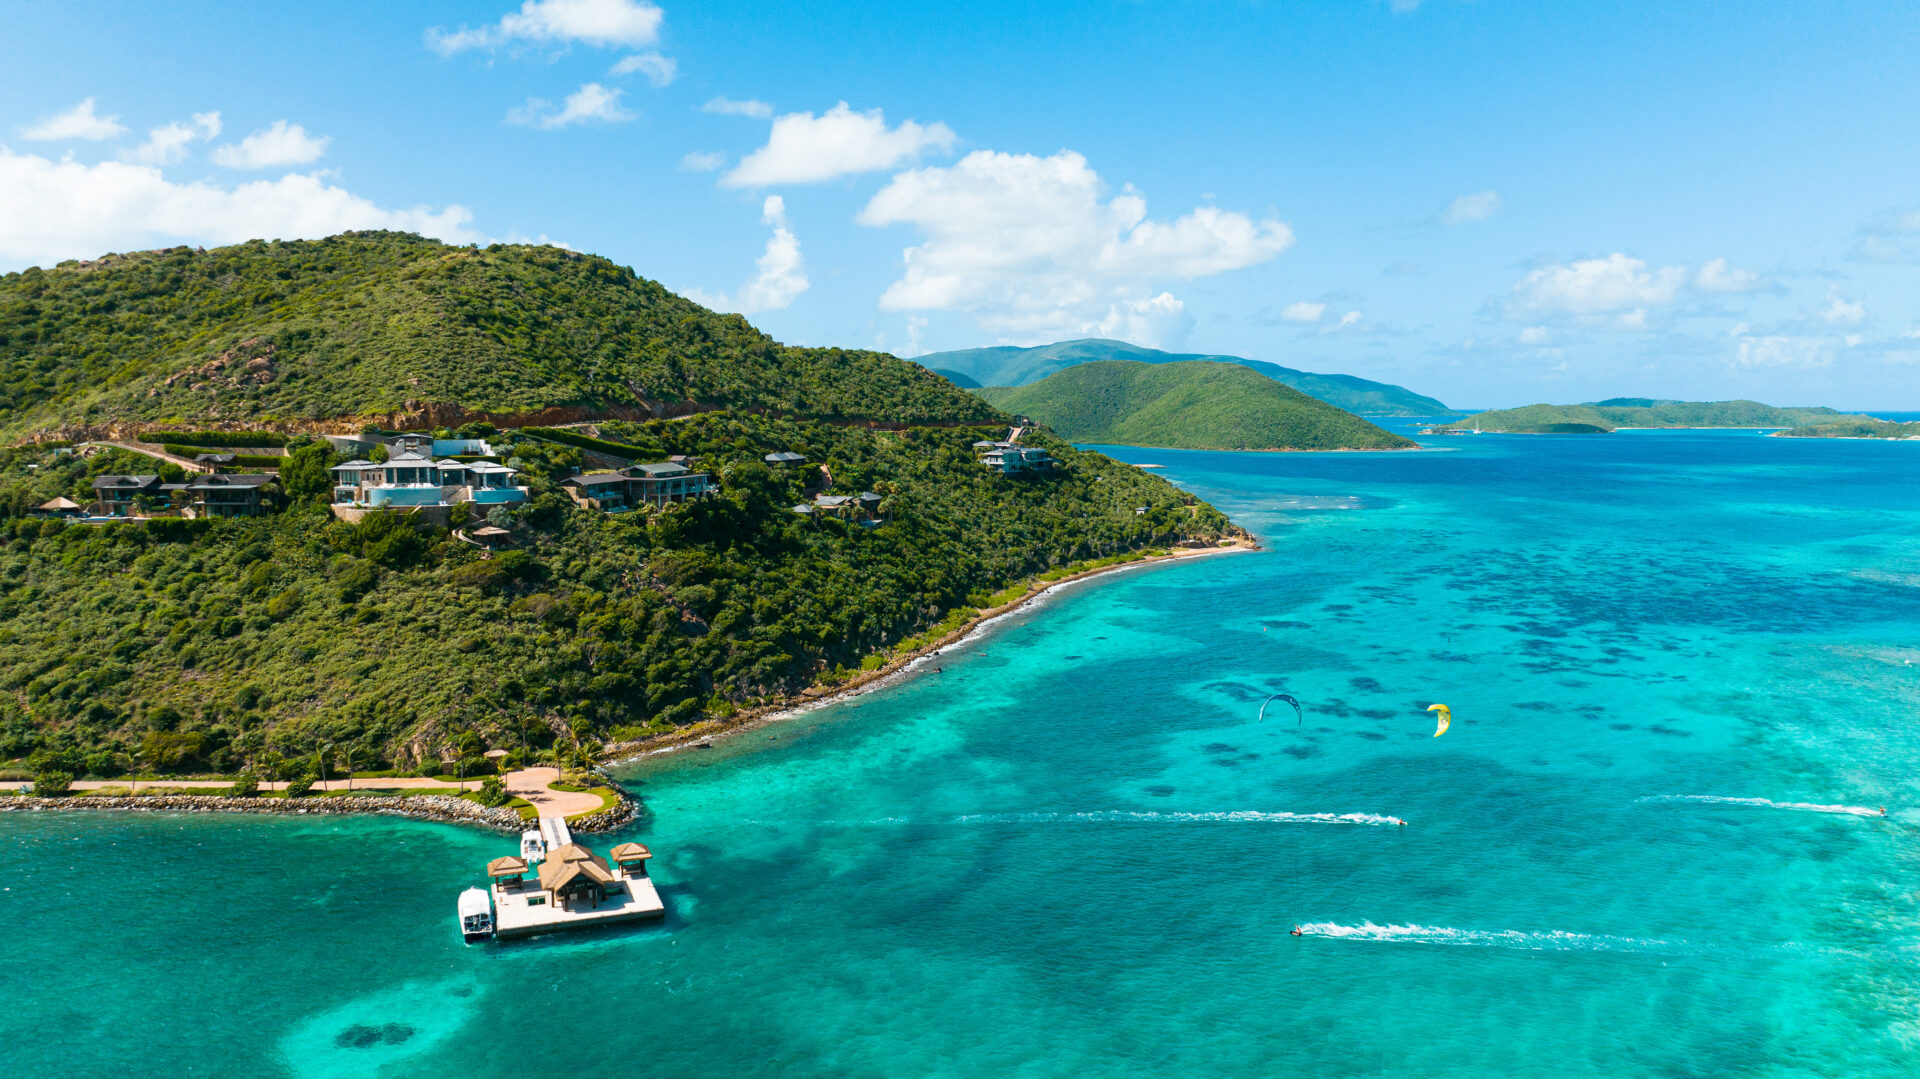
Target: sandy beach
x=903 y=666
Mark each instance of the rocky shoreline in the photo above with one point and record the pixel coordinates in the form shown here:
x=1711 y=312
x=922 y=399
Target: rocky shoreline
x=441 y=808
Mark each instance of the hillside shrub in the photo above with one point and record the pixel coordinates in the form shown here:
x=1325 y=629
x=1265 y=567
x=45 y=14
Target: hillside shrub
x=52 y=784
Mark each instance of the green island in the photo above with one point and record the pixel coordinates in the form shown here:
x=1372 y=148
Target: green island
x=1008 y=365
x=1197 y=404
x=842 y=512
x=1856 y=427
x=1600 y=417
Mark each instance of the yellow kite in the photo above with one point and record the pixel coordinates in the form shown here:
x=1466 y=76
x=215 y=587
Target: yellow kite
x=1446 y=717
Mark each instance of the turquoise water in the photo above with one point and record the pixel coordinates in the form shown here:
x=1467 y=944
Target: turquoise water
x=1684 y=669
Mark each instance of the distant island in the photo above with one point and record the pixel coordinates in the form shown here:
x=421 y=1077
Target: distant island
x=1600 y=417
x=1856 y=427
x=1193 y=404
x=1010 y=366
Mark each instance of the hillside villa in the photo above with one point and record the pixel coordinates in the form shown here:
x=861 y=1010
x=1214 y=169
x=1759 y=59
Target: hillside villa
x=656 y=484
x=863 y=507
x=202 y=495
x=410 y=477
x=1008 y=458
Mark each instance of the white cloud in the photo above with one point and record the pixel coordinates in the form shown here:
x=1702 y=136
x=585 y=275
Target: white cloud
x=725 y=106
x=54 y=210
x=659 y=70
x=633 y=24
x=1616 y=285
x=1842 y=311
x=703 y=161
x=780 y=277
x=589 y=104
x=281 y=144
x=1717 y=276
x=1536 y=335
x=1782 y=350
x=1351 y=318
x=1156 y=322
x=79 y=122
x=166 y=145
x=1465 y=209
x=1032 y=246
x=804 y=148
x=1889 y=237
x=1302 y=311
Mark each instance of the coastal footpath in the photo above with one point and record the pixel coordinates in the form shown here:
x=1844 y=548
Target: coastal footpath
x=584 y=811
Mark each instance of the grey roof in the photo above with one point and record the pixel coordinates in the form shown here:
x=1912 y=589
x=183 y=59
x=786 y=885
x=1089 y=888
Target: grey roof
x=216 y=458
x=595 y=479
x=356 y=466
x=211 y=483
x=869 y=496
x=658 y=469
x=488 y=466
x=803 y=508
x=784 y=457
x=101 y=483
x=830 y=501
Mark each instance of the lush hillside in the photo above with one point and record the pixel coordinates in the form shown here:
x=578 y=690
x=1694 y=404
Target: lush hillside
x=1620 y=412
x=194 y=645
x=1856 y=427
x=292 y=631
x=1010 y=366
x=1194 y=405
x=398 y=330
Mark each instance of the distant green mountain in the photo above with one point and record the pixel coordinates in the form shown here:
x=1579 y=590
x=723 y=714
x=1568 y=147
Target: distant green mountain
x=1856 y=427
x=1617 y=412
x=1011 y=366
x=1196 y=404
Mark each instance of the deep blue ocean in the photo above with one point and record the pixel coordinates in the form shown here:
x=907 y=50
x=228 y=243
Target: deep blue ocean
x=1684 y=670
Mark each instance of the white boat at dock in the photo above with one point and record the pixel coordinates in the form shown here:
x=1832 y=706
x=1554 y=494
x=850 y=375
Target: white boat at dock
x=476 y=916
x=533 y=848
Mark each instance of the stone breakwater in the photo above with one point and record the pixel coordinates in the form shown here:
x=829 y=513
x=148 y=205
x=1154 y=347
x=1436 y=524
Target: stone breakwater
x=622 y=812
x=433 y=807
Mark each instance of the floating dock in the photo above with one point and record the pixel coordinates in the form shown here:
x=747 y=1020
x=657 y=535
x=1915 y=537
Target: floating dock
x=572 y=888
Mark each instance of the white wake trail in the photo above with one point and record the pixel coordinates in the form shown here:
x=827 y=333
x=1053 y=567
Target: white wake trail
x=1767 y=803
x=1553 y=941
x=1240 y=816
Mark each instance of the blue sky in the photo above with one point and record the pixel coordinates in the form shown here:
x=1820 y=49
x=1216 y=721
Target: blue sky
x=1495 y=202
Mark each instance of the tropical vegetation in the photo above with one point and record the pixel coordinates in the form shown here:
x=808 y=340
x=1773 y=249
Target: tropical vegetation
x=1008 y=365
x=1190 y=405
x=1608 y=415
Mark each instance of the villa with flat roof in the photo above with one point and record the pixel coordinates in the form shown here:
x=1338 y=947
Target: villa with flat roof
x=411 y=477
x=656 y=484
x=216 y=495
x=1007 y=458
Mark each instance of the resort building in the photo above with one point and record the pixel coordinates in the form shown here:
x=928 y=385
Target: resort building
x=863 y=507
x=411 y=477
x=784 y=457
x=1008 y=459
x=213 y=462
x=655 y=484
x=215 y=495
x=117 y=494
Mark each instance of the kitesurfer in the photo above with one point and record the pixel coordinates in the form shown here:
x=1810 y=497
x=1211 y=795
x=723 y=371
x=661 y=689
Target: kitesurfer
x=1296 y=931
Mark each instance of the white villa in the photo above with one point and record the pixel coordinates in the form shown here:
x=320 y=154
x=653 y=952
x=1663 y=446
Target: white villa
x=411 y=477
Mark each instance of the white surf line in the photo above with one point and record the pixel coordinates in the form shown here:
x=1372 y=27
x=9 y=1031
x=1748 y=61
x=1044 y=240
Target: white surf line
x=1552 y=941
x=1238 y=816
x=1767 y=803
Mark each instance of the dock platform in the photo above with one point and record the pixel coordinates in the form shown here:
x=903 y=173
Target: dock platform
x=523 y=911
